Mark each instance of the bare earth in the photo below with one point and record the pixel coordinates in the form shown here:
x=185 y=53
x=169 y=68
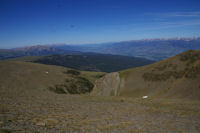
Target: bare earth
x=87 y=114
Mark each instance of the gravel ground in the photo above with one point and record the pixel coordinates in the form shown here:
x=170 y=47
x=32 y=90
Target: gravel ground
x=88 y=114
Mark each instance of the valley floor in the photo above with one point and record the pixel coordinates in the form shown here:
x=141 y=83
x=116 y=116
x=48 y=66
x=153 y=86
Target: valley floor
x=86 y=114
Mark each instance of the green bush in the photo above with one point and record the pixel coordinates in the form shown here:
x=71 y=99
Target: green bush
x=73 y=72
x=75 y=85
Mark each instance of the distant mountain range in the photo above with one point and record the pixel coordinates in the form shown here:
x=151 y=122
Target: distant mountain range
x=154 y=49
x=38 y=50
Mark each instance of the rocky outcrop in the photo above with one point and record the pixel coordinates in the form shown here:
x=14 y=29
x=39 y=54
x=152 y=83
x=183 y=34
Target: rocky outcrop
x=107 y=86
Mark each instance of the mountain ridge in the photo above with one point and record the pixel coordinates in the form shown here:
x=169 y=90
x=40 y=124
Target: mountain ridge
x=153 y=49
x=175 y=77
x=37 y=50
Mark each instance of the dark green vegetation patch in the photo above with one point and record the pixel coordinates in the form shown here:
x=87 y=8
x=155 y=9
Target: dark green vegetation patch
x=94 y=62
x=74 y=84
x=73 y=72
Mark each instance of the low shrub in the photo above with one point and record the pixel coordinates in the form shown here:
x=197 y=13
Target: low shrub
x=73 y=72
x=75 y=85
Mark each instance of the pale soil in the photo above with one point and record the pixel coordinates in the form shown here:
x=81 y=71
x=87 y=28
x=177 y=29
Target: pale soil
x=86 y=114
x=107 y=85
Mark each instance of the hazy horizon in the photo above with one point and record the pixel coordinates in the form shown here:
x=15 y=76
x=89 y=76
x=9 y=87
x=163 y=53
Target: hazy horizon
x=53 y=44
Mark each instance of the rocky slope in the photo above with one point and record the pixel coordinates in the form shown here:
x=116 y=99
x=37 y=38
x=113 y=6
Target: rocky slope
x=109 y=85
x=176 y=77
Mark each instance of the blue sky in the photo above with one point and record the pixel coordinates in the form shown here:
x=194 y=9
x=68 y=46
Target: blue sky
x=31 y=22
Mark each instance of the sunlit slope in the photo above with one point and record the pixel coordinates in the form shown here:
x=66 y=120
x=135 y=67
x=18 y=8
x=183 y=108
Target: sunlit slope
x=176 y=77
x=23 y=78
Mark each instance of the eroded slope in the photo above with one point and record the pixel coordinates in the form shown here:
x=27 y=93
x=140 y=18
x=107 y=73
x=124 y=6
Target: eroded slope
x=176 y=77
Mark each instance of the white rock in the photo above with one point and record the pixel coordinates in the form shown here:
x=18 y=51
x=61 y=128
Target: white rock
x=145 y=97
x=46 y=72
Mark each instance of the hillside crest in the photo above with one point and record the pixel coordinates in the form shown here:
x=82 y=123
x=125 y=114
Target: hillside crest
x=176 y=77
